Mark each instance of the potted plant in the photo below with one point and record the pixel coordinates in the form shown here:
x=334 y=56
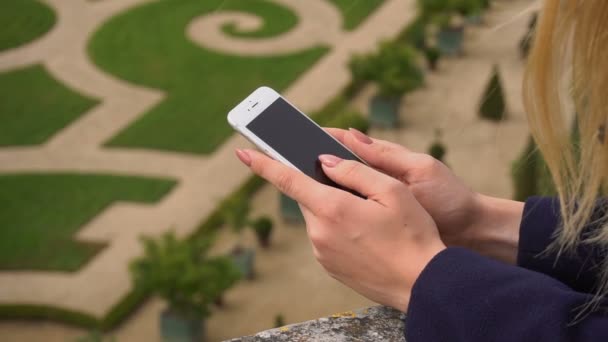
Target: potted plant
x=492 y=106
x=359 y=70
x=437 y=149
x=444 y=19
x=279 y=320
x=182 y=274
x=432 y=54
x=450 y=34
x=430 y=8
x=262 y=226
x=95 y=336
x=470 y=9
x=393 y=68
x=236 y=214
x=290 y=209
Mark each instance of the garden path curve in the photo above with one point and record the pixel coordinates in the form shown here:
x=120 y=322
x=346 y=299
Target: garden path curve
x=78 y=147
x=319 y=23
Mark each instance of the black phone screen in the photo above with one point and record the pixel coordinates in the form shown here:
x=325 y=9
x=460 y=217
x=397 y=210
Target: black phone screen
x=297 y=139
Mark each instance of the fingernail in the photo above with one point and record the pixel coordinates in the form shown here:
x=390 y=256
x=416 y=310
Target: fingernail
x=329 y=160
x=243 y=156
x=360 y=136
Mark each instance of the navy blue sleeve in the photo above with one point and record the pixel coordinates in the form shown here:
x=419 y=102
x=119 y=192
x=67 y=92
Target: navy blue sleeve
x=462 y=296
x=579 y=269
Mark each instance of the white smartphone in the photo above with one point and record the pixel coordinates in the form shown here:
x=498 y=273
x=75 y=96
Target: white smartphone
x=286 y=134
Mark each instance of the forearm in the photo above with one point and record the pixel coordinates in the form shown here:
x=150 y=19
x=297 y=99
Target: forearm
x=495 y=232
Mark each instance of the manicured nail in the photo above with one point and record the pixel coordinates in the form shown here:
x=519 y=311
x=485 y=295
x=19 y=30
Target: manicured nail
x=329 y=160
x=360 y=136
x=243 y=156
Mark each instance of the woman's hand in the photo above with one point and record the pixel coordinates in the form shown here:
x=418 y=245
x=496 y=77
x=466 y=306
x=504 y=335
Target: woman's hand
x=464 y=218
x=377 y=246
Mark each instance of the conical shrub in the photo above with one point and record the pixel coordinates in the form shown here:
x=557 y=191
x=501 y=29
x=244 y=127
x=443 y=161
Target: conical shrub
x=492 y=106
x=530 y=174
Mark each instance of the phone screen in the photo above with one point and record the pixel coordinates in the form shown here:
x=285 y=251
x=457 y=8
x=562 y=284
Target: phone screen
x=298 y=139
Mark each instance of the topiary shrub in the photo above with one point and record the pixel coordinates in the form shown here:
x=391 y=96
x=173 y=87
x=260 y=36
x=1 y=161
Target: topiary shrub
x=530 y=174
x=415 y=33
x=429 y=8
x=524 y=173
x=525 y=44
x=492 y=106
x=262 y=227
x=467 y=7
x=432 y=55
x=393 y=68
x=437 y=149
x=279 y=321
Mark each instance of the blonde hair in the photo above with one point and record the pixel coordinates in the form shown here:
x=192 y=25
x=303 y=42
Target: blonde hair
x=566 y=84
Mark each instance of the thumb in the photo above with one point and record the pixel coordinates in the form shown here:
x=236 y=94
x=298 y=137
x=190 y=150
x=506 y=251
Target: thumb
x=357 y=176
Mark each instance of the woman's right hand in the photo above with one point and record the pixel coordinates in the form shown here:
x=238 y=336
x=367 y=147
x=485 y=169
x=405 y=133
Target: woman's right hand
x=463 y=217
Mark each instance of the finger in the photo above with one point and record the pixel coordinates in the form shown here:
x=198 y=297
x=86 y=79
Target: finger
x=289 y=181
x=337 y=133
x=386 y=156
x=357 y=176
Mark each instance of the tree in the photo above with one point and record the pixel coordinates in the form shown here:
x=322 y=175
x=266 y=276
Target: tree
x=393 y=68
x=180 y=272
x=492 y=105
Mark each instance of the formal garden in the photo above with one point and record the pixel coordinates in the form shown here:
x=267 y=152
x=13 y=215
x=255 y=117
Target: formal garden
x=66 y=206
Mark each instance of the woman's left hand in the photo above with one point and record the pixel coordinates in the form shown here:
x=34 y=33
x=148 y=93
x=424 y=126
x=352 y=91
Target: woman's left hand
x=377 y=246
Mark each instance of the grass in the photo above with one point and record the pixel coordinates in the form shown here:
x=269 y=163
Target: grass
x=147 y=46
x=23 y=21
x=35 y=106
x=355 y=11
x=40 y=214
x=335 y=114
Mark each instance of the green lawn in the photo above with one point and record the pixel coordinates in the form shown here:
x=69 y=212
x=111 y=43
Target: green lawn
x=23 y=21
x=40 y=214
x=147 y=46
x=355 y=11
x=34 y=106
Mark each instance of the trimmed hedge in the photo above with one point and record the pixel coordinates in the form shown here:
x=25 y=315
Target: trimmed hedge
x=335 y=114
x=129 y=304
x=43 y=312
x=155 y=52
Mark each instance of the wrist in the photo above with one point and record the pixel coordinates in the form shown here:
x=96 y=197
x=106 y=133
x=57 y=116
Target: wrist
x=402 y=294
x=495 y=231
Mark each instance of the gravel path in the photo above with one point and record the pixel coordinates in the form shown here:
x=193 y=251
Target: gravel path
x=290 y=281
x=77 y=148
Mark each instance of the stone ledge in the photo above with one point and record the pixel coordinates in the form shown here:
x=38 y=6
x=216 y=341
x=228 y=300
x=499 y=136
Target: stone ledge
x=377 y=323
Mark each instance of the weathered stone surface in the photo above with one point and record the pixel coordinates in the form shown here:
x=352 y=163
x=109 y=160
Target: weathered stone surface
x=377 y=323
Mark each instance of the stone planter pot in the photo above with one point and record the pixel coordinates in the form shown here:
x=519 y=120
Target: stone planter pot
x=474 y=19
x=244 y=260
x=290 y=210
x=450 y=40
x=384 y=111
x=178 y=328
x=264 y=242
